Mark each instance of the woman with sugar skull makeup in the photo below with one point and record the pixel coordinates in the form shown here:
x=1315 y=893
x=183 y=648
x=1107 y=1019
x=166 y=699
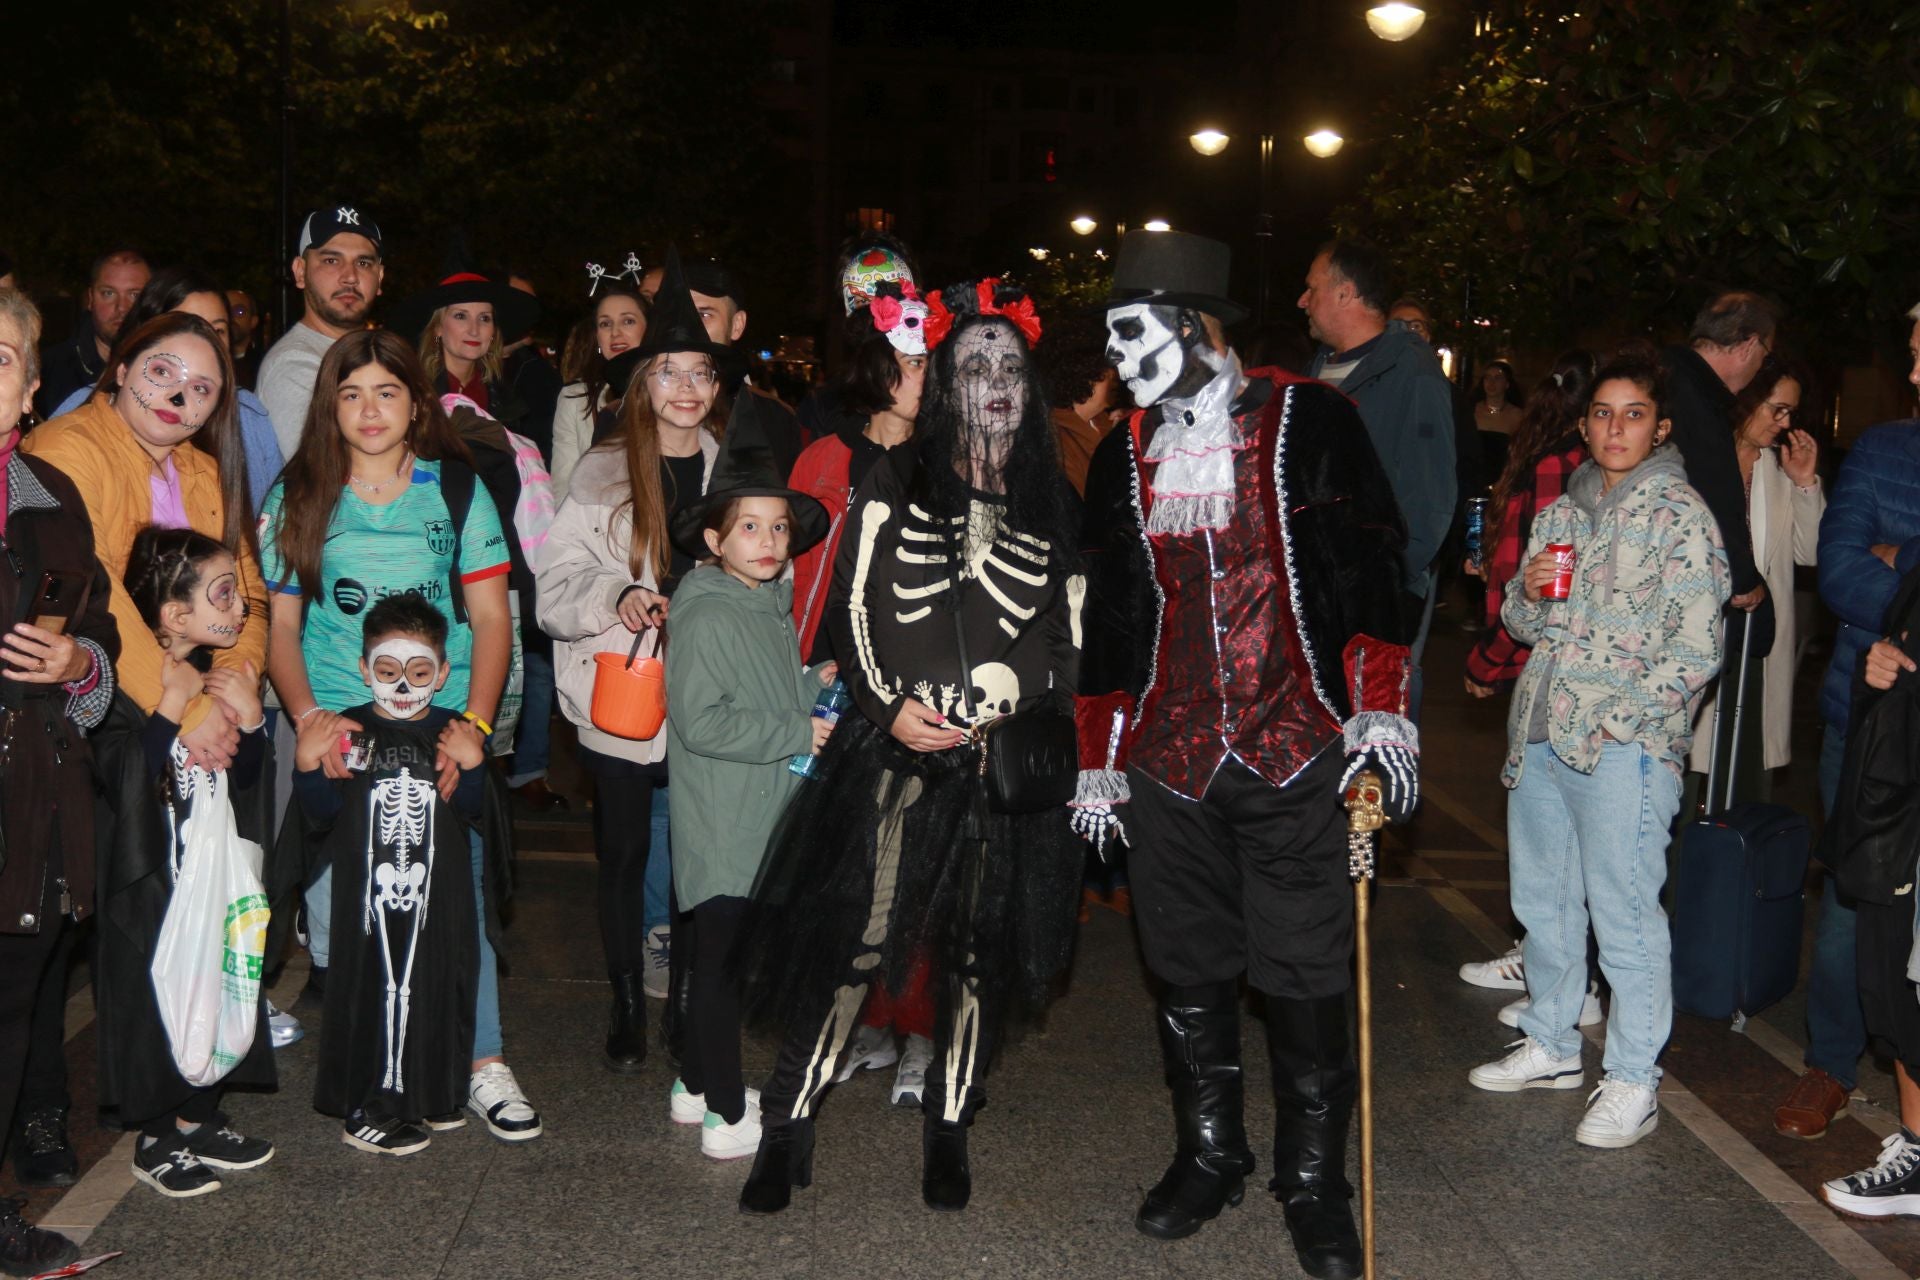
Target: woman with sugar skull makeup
x=1248 y=652
x=884 y=856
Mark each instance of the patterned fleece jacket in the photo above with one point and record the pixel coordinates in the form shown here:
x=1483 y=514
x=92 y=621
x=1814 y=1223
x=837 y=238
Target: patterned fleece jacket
x=1629 y=652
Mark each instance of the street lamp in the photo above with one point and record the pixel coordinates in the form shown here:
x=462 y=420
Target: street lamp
x=1395 y=21
x=1039 y=253
x=1324 y=143
x=1083 y=225
x=1209 y=142
x=1156 y=224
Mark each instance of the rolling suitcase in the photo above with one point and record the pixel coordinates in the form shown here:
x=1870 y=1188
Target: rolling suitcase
x=1739 y=893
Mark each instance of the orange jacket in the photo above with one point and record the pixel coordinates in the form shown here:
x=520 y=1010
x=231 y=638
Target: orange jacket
x=97 y=451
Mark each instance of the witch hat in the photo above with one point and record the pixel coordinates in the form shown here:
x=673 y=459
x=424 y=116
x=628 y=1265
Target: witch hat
x=674 y=322
x=746 y=468
x=461 y=281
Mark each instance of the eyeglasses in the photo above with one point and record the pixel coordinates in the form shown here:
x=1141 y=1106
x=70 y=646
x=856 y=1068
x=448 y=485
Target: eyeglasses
x=1781 y=412
x=669 y=378
x=170 y=374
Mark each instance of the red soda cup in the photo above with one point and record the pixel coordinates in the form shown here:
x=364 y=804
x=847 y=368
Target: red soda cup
x=1562 y=585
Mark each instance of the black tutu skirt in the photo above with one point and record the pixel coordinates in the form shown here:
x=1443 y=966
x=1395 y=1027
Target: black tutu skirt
x=987 y=898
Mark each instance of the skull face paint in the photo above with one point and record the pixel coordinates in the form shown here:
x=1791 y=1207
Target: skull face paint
x=1143 y=343
x=403 y=674
x=990 y=376
x=167 y=395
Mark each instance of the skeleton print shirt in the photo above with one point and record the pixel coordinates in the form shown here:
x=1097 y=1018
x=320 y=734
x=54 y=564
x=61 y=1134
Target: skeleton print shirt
x=893 y=586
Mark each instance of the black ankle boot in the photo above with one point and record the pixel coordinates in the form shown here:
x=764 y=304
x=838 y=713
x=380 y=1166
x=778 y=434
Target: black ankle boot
x=1200 y=1042
x=627 y=1029
x=946 y=1180
x=784 y=1161
x=1314 y=1082
x=42 y=1156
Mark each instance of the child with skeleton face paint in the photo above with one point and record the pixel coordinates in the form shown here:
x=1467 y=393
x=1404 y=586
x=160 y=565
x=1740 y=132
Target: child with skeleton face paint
x=398 y=1029
x=186 y=587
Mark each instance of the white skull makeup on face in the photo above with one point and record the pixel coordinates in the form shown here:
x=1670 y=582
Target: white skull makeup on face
x=990 y=378
x=402 y=673
x=1145 y=343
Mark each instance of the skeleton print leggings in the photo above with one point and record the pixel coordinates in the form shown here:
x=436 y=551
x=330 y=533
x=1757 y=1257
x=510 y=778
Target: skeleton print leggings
x=812 y=1053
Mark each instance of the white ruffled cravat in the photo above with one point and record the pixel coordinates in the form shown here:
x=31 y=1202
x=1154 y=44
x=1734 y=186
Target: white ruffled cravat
x=1193 y=486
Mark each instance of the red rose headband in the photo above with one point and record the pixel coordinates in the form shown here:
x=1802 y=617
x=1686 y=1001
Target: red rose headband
x=1019 y=313
x=903 y=319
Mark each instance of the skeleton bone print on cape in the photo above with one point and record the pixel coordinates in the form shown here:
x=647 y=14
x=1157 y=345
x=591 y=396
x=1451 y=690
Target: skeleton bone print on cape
x=398 y=1030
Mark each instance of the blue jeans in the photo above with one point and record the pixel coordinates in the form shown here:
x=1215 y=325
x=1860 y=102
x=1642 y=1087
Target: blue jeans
x=658 y=909
x=1416 y=685
x=1594 y=848
x=486 y=1000
x=1836 y=1028
x=531 y=750
x=320 y=917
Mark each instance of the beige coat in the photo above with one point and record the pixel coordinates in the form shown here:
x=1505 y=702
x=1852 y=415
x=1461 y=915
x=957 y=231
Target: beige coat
x=1786 y=531
x=583 y=574
x=572 y=432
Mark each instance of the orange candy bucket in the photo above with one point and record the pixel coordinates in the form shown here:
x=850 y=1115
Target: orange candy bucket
x=630 y=693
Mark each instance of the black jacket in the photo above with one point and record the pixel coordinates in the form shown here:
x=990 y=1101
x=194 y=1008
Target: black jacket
x=65 y=367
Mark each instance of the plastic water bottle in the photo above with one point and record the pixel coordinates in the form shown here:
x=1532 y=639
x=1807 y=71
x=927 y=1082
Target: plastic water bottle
x=832 y=701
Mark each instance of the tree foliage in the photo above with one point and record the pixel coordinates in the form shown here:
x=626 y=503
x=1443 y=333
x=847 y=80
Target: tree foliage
x=1608 y=164
x=548 y=133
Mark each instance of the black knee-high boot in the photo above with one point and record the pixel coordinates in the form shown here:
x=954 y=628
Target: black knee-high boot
x=1200 y=1041
x=626 y=1048
x=1314 y=1083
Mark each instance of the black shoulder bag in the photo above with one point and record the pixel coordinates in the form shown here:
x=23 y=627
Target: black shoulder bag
x=1029 y=760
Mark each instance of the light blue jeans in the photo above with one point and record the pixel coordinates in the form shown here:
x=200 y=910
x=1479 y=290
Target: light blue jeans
x=1594 y=848
x=659 y=882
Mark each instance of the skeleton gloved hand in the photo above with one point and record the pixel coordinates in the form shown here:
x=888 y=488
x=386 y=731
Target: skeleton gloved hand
x=1097 y=823
x=1398 y=767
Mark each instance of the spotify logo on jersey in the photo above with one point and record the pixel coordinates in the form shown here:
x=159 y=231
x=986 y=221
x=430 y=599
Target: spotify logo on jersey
x=349 y=596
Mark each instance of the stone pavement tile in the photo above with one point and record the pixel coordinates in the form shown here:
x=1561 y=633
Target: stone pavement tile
x=1559 y=1238
x=1419 y=1239
x=553 y=929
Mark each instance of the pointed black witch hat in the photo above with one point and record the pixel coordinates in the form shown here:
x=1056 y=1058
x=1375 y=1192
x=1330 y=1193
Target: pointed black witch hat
x=673 y=324
x=746 y=468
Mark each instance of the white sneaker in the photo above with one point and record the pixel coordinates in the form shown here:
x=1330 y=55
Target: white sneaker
x=1619 y=1114
x=687 y=1107
x=283 y=1027
x=910 y=1082
x=1590 y=1014
x=723 y=1141
x=872 y=1048
x=655 y=968
x=1890 y=1187
x=494 y=1095
x=1531 y=1065
x=1503 y=973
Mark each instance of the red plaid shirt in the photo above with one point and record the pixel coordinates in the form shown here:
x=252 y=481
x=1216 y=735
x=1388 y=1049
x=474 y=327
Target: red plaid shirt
x=1498 y=658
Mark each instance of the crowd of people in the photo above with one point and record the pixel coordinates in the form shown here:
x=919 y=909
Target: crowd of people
x=1111 y=616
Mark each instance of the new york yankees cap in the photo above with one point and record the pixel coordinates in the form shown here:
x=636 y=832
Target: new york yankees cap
x=328 y=221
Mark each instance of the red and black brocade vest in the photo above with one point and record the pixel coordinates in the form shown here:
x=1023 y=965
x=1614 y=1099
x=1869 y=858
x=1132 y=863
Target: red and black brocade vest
x=1230 y=675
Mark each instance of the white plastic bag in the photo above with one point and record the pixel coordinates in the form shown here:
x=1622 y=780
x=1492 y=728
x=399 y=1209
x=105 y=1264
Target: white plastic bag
x=206 y=965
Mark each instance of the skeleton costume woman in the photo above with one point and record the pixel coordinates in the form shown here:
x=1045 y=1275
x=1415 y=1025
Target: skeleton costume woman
x=882 y=858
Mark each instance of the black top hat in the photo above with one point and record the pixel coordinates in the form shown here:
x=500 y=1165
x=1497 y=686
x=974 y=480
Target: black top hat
x=674 y=323
x=746 y=469
x=513 y=311
x=1174 y=269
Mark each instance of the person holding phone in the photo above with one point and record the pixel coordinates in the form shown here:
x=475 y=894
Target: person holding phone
x=56 y=683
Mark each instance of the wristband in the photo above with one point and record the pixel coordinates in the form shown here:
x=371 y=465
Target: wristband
x=482 y=725
x=302 y=717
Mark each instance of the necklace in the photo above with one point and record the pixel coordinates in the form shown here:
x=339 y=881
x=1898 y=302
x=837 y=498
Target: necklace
x=379 y=486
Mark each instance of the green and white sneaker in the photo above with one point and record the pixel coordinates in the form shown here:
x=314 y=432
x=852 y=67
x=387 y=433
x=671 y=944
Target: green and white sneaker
x=722 y=1141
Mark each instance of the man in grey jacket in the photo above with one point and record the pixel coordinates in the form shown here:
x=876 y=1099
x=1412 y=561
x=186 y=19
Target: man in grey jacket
x=1394 y=378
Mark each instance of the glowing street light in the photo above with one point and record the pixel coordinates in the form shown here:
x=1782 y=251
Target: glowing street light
x=1209 y=142
x=1324 y=143
x=1395 y=21
x=1083 y=225
x=1039 y=253
x=1156 y=224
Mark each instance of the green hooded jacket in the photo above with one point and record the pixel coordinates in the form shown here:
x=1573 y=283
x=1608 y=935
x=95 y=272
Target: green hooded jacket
x=738 y=709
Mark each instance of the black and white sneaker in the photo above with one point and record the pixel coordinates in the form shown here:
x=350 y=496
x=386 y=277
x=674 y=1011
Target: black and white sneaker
x=494 y=1095
x=1890 y=1188
x=218 y=1145
x=384 y=1136
x=446 y=1120
x=169 y=1166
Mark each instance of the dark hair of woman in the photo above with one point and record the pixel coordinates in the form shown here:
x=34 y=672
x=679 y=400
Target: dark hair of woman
x=167 y=291
x=637 y=435
x=318 y=472
x=1030 y=475
x=578 y=352
x=594 y=372
x=869 y=375
x=219 y=437
x=1552 y=414
x=1074 y=357
x=163 y=568
x=1776 y=367
x=1513 y=383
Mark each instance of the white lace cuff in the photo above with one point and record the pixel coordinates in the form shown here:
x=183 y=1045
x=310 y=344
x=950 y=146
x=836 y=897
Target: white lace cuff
x=1101 y=787
x=1381 y=729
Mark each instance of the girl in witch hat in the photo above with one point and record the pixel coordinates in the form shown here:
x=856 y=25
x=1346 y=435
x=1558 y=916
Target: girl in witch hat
x=608 y=570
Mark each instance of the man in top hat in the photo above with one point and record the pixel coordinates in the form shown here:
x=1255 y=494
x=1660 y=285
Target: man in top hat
x=1246 y=614
x=338 y=269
